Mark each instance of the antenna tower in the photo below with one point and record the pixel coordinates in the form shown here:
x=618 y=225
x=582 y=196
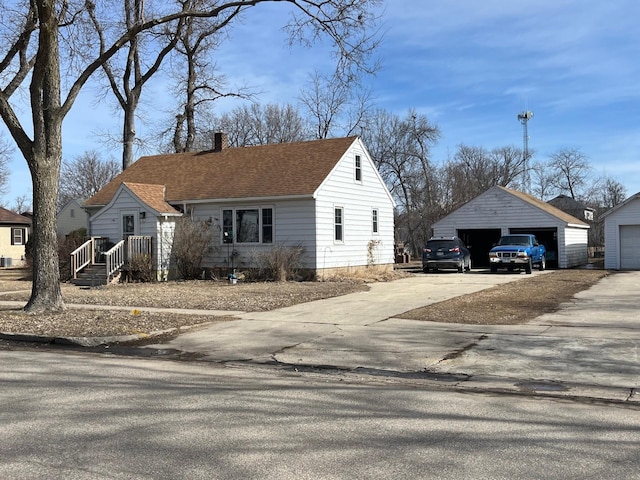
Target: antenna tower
x=523 y=118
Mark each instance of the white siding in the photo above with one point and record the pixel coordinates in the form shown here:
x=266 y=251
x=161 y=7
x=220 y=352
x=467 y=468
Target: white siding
x=108 y=221
x=293 y=226
x=628 y=214
x=71 y=217
x=495 y=209
x=357 y=199
x=572 y=246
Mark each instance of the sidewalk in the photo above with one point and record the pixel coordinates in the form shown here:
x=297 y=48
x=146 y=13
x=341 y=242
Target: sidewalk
x=588 y=348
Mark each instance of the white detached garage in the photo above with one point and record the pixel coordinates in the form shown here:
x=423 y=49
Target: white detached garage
x=501 y=211
x=622 y=235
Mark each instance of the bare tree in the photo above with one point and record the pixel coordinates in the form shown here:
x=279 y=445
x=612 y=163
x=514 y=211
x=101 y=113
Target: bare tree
x=32 y=55
x=542 y=181
x=260 y=125
x=334 y=105
x=21 y=204
x=401 y=148
x=474 y=170
x=84 y=176
x=5 y=152
x=571 y=170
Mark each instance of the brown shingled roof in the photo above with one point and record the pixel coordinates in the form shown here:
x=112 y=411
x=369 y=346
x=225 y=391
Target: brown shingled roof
x=152 y=195
x=7 y=216
x=556 y=212
x=282 y=169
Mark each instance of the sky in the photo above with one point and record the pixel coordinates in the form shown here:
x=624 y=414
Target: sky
x=470 y=66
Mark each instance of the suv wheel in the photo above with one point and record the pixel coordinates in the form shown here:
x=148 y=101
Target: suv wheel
x=543 y=263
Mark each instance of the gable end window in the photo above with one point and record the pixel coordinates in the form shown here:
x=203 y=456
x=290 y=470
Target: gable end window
x=374 y=220
x=247 y=225
x=338 y=223
x=18 y=236
x=358 y=169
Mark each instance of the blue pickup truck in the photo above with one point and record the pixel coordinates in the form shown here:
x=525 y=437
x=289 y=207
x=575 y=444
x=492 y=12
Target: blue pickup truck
x=517 y=251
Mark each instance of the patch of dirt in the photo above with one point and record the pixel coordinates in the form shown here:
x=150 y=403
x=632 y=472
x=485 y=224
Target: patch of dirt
x=511 y=303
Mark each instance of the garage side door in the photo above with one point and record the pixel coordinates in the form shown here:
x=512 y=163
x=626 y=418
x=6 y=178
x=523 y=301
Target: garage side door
x=630 y=247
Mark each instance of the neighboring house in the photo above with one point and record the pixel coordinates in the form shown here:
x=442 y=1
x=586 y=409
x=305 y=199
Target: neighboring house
x=500 y=211
x=14 y=233
x=71 y=217
x=573 y=207
x=325 y=196
x=622 y=235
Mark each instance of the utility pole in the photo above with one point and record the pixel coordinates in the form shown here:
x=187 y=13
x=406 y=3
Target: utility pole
x=523 y=118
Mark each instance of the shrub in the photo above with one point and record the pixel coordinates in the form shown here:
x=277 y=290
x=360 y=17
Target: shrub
x=141 y=269
x=191 y=243
x=280 y=263
x=66 y=245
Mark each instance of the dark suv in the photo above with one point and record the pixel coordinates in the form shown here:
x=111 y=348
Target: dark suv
x=446 y=252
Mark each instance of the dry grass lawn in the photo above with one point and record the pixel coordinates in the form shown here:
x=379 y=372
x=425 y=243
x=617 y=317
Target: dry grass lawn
x=512 y=303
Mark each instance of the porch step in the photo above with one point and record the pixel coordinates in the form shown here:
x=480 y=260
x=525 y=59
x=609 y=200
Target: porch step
x=92 y=276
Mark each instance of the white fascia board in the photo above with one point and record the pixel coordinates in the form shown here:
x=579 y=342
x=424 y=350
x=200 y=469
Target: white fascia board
x=270 y=199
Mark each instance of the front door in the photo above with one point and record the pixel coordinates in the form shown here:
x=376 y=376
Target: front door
x=129 y=224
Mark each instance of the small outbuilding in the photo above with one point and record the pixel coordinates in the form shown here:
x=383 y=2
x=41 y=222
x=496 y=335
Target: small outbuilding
x=622 y=235
x=499 y=211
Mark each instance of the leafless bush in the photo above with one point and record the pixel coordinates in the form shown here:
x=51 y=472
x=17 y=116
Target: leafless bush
x=141 y=269
x=191 y=244
x=66 y=245
x=280 y=263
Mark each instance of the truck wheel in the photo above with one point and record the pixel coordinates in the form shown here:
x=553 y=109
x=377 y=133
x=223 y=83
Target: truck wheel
x=425 y=269
x=543 y=263
x=494 y=269
x=528 y=267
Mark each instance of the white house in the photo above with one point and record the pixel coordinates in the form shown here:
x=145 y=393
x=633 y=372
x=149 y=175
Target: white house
x=500 y=211
x=14 y=233
x=325 y=196
x=622 y=235
x=71 y=217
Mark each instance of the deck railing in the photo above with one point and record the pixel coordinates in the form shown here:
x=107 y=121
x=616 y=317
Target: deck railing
x=93 y=251
x=82 y=256
x=114 y=259
x=138 y=245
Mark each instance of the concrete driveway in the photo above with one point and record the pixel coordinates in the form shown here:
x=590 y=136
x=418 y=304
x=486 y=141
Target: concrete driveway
x=591 y=345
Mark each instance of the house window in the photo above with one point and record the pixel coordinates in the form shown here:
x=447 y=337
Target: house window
x=374 y=220
x=338 y=224
x=358 y=169
x=267 y=225
x=227 y=226
x=247 y=225
x=128 y=225
x=17 y=236
x=72 y=213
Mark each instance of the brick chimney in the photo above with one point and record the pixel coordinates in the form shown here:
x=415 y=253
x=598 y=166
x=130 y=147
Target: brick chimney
x=220 y=141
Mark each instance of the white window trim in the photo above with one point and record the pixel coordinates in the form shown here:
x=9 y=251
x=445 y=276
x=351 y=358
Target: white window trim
x=342 y=224
x=357 y=169
x=234 y=226
x=375 y=221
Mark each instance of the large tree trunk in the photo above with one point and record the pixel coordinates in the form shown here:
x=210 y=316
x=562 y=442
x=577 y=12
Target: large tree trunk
x=44 y=163
x=45 y=290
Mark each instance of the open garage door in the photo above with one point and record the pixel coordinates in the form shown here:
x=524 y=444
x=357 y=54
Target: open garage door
x=547 y=237
x=630 y=247
x=479 y=242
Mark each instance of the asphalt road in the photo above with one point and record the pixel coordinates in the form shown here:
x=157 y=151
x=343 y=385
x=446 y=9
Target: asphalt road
x=85 y=416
